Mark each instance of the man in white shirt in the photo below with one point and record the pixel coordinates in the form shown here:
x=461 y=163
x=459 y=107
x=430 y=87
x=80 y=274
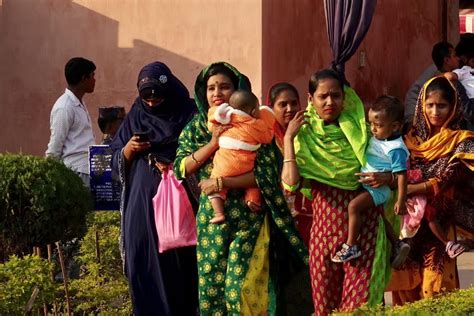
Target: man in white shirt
x=70 y=122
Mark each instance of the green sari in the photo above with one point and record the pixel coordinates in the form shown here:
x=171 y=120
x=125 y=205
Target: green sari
x=331 y=155
x=233 y=257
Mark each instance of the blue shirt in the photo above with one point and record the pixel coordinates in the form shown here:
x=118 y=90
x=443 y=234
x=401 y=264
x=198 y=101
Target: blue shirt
x=386 y=155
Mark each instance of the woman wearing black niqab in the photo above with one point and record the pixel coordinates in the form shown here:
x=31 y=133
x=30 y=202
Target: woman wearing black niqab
x=160 y=283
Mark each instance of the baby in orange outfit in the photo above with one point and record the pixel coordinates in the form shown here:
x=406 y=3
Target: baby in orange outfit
x=252 y=125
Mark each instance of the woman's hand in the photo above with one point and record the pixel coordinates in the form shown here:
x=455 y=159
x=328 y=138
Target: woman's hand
x=196 y=159
x=162 y=167
x=295 y=124
x=216 y=133
x=135 y=145
x=375 y=179
x=208 y=186
x=290 y=174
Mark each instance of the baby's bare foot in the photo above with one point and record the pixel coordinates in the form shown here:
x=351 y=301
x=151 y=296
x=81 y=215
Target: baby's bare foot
x=254 y=207
x=217 y=219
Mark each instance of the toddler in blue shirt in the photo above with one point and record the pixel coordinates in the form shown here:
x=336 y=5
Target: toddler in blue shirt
x=386 y=152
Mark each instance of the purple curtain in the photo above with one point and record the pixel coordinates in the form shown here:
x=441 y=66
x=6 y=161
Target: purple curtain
x=347 y=23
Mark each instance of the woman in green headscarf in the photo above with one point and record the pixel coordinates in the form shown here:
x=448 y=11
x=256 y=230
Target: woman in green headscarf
x=325 y=146
x=235 y=273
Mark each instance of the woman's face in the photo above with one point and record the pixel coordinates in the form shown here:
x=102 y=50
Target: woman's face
x=437 y=109
x=328 y=99
x=285 y=106
x=153 y=102
x=219 y=89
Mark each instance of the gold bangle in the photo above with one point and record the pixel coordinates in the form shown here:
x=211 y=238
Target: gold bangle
x=426 y=187
x=289 y=160
x=219 y=185
x=194 y=159
x=434 y=185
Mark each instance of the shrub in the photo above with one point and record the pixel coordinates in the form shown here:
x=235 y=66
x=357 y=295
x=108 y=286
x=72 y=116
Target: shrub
x=102 y=287
x=41 y=201
x=459 y=302
x=18 y=278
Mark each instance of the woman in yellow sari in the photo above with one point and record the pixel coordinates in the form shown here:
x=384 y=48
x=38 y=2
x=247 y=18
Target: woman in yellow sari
x=445 y=156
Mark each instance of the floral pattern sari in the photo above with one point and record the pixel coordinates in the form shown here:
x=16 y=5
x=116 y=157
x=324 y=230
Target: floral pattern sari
x=235 y=272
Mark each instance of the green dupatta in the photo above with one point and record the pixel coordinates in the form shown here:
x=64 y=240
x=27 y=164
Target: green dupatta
x=332 y=154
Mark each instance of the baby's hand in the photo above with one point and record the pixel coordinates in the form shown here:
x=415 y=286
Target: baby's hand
x=451 y=76
x=254 y=207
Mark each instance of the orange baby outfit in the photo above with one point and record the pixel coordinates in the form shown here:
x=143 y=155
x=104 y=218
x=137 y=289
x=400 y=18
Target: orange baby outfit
x=238 y=145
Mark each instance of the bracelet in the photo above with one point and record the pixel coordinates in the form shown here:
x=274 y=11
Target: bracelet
x=426 y=187
x=219 y=185
x=194 y=159
x=289 y=160
x=434 y=185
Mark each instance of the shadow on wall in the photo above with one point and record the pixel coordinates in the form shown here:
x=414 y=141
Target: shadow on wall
x=37 y=39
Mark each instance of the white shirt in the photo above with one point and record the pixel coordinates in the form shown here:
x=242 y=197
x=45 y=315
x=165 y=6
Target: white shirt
x=466 y=77
x=71 y=132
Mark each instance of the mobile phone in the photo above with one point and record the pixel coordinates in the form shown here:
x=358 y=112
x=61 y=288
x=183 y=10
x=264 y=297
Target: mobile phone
x=142 y=136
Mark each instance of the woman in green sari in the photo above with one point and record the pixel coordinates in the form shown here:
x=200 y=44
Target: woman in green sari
x=235 y=274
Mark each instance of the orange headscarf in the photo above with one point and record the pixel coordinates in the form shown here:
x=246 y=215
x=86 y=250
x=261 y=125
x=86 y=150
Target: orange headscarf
x=449 y=142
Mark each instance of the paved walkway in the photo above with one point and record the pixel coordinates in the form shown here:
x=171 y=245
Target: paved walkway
x=465 y=269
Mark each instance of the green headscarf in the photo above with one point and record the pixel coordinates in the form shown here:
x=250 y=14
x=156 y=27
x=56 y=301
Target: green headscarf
x=332 y=154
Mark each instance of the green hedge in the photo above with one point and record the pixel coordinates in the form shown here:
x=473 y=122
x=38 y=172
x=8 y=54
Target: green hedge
x=459 y=302
x=19 y=277
x=41 y=201
x=101 y=287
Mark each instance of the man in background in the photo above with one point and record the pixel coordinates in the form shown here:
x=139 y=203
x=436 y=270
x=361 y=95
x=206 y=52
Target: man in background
x=444 y=59
x=70 y=122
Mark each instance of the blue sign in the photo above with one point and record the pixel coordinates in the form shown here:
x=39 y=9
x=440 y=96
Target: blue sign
x=105 y=187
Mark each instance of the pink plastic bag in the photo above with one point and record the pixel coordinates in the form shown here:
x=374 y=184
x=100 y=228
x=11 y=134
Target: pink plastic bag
x=174 y=216
x=416 y=206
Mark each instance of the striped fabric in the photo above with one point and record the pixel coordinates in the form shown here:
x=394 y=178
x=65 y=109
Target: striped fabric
x=466 y=22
